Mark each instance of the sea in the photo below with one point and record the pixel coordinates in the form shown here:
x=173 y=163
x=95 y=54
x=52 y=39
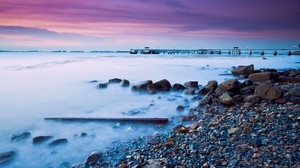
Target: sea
x=36 y=85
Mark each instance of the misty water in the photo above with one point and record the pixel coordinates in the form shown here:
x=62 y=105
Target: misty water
x=38 y=85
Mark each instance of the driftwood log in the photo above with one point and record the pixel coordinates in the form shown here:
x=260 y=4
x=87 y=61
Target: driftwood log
x=128 y=120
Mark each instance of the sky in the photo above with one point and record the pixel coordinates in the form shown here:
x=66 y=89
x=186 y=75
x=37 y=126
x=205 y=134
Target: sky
x=125 y=24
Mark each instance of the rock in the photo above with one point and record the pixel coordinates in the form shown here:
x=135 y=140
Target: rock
x=289 y=79
x=235 y=130
x=226 y=99
x=21 y=136
x=92 y=159
x=231 y=85
x=295 y=91
x=247 y=83
x=190 y=91
x=102 y=85
x=238 y=98
x=294 y=73
x=141 y=86
x=156 y=163
x=40 y=139
x=83 y=134
x=268 y=92
x=209 y=88
x=162 y=85
x=295 y=100
x=180 y=108
x=207 y=99
x=251 y=100
x=191 y=84
x=93 y=81
x=125 y=83
x=58 y=142
x=7 y=156
x=123 y=165
x=263 y=76
x=179 y=129
x=178 y=87
x=243 y=70
x=115 y=80
x=256 y=142
x=248 y=89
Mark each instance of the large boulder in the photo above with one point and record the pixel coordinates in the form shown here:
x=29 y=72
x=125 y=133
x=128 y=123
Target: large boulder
x=177 y=87
x=191 y=84
x=226 y=99
x=209 y=88
x=6 y=157
x=231 y=85
x=243 y=70
x=189 y=91
x=125 y=83
x=92 y=159
x=162 y=85
x=40 y=139
x=263 y=76
x=141 y=86
x=115 y=80
x=268 y=92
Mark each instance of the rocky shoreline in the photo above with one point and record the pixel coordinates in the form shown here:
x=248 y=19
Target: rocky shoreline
x=254 y=123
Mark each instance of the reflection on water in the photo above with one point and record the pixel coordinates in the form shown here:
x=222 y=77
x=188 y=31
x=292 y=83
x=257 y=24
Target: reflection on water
x=38 y=85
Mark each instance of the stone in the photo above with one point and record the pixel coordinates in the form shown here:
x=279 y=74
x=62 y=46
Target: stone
x=160 y=86
x=294 y=73
x=40 y=139
x=141 y=86
x=180 y=108
x=268 y=92
x=263 y=76
x=102 y=85
x=93 y=81
x=7 y=156
x=226 y=99
x=125 y=83
x=21 y=136
x=251 y=100
x=243 y=70
x=115 y=80
x=156 y=163
x=83 y=134
x=238 y=98
x=256 y=142
x=178 y=87
x=235 y=130
x=207 y=99
x=93 y=158
x=58 y=142
x=210 y=87
x=191 y=84
x=247 y=83
x=289 y=79
x=190 y=91
x=232 y=85
x=295 y=100
x=123 y=165
x=294 y=91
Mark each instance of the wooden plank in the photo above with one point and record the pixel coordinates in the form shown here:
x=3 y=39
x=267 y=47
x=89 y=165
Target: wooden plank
x=133 y=120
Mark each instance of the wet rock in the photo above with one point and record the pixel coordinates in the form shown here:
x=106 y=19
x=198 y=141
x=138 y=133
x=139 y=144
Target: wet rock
x=190 y=91
x=235 y=130
x=83 y=134
x=226 y=99
x=125 y=83
x=295 y=91
x=40 y=139
x=160 y=86
x=263 y=76
x=21 y=136
x=243 y=70
x=295 y=100
x=141 y=86
x=93 y=81
x=248 y=89
x=209 y=88
x=115 y=80
x=231 y=85
x=191 y=84
x=123 y=165
x=93 y=158
x=251 y=100
x=58 y=142
x=180 y=108
x=205 y=100
x=289 y=79
x=178 y=87
x=268 y=92
x=7 y=156
x=102 y=85
x=238 y=98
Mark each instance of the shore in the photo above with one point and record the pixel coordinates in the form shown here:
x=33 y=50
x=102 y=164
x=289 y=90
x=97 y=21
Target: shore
x=236 y=124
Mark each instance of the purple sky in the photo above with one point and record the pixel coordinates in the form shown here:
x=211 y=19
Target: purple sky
x=124 y=24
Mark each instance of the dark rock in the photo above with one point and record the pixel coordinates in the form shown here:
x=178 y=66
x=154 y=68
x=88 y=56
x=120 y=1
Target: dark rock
x=268 y=92
x=7 y=156
x=231 y=85
x=226 y=99
x=190 y=91
x=115 y=80
x=162 y=85
x=294 y=73
x=256 y=142
x=238 y=98
x=248 y=89
x=191 y=84
x=269 y=70
x=58 y=142
x=289 y=79
x=40 y=139
x=102 y=85
x=93 y=81
x=180 y=108
x=21 y=136
x=141 y=86
x=93 y=158
x=263 y=76
x=295 y=91
x=251 y=100
x=125 y=83
x=209 y=88
x=243 y=70
x=83 y=134
x=295 y=100
x=219 y=92
x=205 y=100
x=178 y=87
x=247 y=83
